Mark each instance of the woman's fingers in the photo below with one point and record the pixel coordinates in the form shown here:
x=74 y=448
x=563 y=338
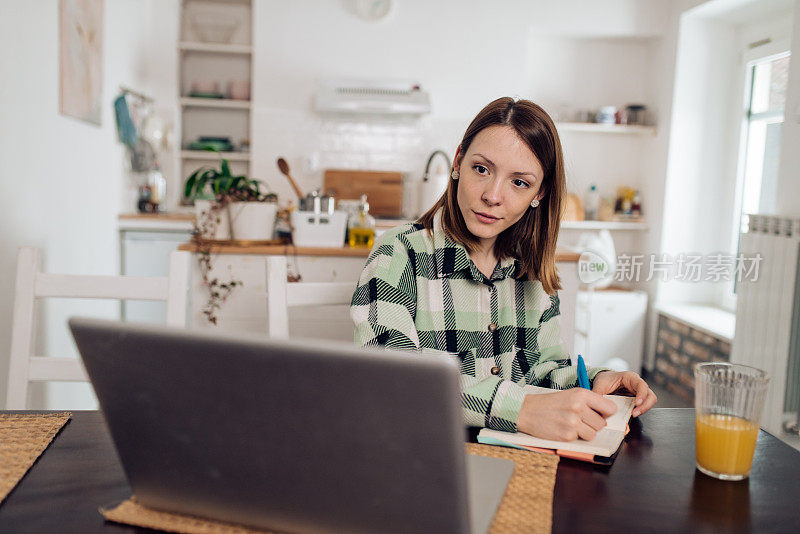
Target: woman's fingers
x=593 y=419
x=600 y=404
x=648 y=403
x=586 y=432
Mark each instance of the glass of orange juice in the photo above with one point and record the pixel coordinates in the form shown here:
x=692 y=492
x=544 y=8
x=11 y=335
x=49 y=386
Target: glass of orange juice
x=728 y=402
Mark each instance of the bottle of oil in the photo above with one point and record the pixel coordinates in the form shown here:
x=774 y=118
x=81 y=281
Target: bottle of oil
x=361 y=228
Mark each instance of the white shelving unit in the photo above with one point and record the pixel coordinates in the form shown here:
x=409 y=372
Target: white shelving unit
x=215 y=103
x=591 y=127
x=604 y=225
x=215 y=48
x=201 y=60
x=205 y=155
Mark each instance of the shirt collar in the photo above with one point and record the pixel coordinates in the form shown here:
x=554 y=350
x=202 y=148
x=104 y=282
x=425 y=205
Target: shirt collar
x=452 y=257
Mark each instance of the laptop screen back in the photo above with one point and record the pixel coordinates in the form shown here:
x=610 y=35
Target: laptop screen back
x=286 y=435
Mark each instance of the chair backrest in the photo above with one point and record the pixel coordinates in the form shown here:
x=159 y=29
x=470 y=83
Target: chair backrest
x=32 y=284
x=281 y=295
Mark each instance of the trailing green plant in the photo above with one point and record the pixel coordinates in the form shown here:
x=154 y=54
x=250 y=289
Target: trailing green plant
x=218 y=290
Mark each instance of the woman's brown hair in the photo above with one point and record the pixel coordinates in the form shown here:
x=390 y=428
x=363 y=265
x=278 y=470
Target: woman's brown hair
x=532 y=239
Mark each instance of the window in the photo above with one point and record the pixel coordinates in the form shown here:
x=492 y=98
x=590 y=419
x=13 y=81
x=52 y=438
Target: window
x=766 y=80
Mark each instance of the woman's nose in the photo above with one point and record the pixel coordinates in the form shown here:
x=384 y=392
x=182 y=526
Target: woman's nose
x=491 y=192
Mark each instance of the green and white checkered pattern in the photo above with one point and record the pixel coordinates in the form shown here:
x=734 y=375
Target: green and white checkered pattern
x=423 y=293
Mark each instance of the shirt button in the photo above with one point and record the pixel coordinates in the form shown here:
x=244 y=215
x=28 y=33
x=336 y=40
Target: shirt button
x=492 y=327
x=495 y=370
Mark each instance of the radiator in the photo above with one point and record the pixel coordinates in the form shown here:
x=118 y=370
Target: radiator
x=768 y=313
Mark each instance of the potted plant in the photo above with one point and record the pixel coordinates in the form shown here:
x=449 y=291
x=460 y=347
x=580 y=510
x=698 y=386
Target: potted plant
x=230 y=207
x=226 y=207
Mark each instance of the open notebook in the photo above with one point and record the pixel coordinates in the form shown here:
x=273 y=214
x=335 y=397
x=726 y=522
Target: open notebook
x=601 y=449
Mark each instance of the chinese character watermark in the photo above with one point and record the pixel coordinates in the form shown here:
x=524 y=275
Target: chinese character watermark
x=688 y=267
x=682 y=268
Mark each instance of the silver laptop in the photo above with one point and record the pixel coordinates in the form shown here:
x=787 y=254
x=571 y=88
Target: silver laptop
x=288 y=435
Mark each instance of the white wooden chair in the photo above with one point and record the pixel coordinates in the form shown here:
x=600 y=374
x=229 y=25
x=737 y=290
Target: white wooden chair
x=32 y=284
x=281 y=295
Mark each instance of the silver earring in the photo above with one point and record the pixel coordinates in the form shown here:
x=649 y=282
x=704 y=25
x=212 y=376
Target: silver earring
x=534 y=203
x=454 y=175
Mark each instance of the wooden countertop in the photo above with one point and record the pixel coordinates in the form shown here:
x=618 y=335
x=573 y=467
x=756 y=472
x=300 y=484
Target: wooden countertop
x=157 y=216
x=285 y=250
x=291 y=250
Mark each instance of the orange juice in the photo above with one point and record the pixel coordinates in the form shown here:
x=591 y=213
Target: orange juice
x=725 y=444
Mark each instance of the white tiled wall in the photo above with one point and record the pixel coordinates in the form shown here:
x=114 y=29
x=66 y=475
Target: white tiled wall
x=312 y=143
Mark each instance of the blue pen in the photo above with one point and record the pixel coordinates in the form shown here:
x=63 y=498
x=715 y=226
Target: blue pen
x=583 y=376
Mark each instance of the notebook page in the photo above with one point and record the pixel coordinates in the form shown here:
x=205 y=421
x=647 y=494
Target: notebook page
x=619 y=421
x=605 y=443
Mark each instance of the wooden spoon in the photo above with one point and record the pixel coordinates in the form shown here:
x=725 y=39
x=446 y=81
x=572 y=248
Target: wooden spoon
x=284 y=167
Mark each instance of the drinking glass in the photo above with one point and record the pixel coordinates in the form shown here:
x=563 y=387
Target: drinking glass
x=728 y=401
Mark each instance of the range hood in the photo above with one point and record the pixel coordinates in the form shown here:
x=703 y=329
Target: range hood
x=371 y=97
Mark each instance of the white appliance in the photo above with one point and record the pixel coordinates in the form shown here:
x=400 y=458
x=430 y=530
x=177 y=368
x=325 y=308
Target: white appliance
x=609 y=328
x=146 y=253
x=371 y=97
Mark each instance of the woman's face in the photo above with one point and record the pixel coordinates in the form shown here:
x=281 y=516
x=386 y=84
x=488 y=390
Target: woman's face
x=500 y=176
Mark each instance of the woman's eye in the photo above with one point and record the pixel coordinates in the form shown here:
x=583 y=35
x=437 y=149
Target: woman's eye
x=480 y=169
x=521 y=183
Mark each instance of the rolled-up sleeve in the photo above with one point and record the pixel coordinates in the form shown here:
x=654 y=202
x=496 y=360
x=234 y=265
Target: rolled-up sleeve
x=385 y=301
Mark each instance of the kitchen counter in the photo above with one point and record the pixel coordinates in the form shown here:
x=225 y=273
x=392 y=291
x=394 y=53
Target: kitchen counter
x=289 y=250
x=286 y=250
x=156 y=221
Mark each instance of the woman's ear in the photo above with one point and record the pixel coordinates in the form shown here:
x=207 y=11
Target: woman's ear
x=457 y=160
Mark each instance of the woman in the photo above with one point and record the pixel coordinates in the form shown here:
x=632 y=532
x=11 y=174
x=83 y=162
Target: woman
x=475 y=276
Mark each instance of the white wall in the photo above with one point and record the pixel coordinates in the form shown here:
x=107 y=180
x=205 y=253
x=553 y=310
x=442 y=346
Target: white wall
x=63 y=178
x=463 y=53
x=699 y=194
x=704 y=147
x=789 y=170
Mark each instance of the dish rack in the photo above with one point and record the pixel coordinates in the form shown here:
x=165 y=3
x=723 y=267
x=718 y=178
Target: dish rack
x=310 y=229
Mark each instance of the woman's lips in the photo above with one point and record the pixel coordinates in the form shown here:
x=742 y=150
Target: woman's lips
x=485 y=217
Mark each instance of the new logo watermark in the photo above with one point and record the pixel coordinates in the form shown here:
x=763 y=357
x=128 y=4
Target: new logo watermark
x=592 y=267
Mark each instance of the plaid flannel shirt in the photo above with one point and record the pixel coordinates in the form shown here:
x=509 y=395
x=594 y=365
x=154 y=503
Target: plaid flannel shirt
x=423 y=293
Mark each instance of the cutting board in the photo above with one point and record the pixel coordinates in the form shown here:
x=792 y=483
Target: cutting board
x=384 y=190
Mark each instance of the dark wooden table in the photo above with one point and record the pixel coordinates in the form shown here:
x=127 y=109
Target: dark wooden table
x=652 y=487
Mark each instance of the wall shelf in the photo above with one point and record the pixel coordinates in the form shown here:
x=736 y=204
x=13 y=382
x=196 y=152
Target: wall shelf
x=592 y=127
x=202 y=57
x=604 y=225
x=215 y=103
x=206 y=155
x=215 y=48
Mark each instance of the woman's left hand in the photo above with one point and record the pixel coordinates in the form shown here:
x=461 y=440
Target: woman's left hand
x=627 y=382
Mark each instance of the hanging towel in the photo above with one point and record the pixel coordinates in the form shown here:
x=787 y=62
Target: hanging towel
x=126 y=130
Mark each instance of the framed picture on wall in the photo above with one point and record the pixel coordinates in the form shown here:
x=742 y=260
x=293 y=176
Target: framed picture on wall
x=81 y=59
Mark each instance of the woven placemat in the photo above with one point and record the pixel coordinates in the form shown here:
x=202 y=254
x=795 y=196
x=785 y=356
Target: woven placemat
x=527 y=505
x=23 y=438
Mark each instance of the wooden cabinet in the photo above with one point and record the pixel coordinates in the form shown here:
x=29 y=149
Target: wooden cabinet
x=246 y=309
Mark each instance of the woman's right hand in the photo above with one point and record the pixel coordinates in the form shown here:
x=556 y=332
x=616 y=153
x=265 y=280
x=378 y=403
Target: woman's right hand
x=564 y=415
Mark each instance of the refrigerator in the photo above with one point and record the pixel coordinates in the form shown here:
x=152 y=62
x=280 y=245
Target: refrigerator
x=609 y=328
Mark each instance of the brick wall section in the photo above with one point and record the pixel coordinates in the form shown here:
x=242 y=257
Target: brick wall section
x=678 y=348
